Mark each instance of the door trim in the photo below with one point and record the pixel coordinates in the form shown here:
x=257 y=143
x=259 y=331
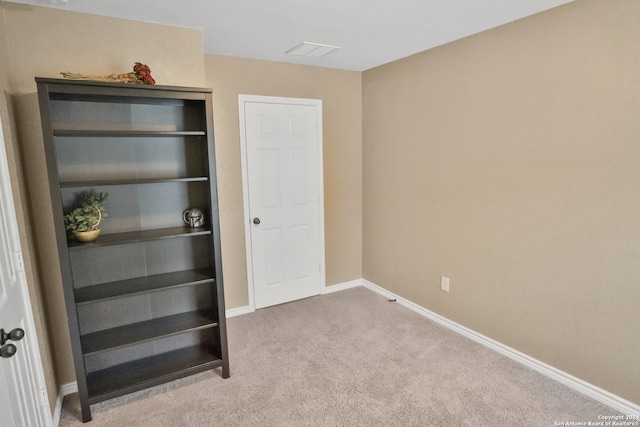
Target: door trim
x=242 y=99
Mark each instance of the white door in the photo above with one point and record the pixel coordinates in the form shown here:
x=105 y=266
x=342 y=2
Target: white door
x=282 y=164
x=23 y=396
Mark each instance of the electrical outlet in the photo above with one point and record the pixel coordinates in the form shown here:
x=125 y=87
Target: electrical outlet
x=444 y=283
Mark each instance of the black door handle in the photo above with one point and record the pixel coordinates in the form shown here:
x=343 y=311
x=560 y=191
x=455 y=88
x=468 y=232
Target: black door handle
x=15 y=335
x=7 y=351
x=256 y=221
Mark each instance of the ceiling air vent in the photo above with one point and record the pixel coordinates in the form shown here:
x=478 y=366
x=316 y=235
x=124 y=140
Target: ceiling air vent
x=313 y=50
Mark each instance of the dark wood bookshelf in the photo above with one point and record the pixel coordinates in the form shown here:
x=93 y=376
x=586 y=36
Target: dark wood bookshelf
x=145 y=331
x=130 y=181
x=158 y=282
x=147 y=295
x=140 y=236
x=150 y=371
x=106 y=133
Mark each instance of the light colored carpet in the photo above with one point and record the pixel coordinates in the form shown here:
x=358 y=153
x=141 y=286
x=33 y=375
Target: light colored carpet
x=350 y=358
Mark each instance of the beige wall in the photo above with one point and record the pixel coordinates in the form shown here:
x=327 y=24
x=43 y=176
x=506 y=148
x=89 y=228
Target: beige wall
x=341 y=94
x=510 y=162
x=43 y=42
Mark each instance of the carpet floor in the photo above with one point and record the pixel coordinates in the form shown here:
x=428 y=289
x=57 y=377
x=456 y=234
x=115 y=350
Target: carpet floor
x=350 y=358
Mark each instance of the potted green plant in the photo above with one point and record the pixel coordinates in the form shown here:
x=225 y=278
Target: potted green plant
x=84 y=220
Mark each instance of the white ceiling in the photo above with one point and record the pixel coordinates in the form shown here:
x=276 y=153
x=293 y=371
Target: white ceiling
x=369 y=32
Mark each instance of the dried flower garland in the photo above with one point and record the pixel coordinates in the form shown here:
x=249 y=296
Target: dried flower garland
x=141 y=75
x=143 y=72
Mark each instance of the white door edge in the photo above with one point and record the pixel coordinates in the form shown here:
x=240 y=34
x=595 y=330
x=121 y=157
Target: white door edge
x=30 y=339
x=242 y=99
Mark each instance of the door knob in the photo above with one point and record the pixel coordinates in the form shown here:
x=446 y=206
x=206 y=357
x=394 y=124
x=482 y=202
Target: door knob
x=7 y=351
x=256 y=221
x=15 y=335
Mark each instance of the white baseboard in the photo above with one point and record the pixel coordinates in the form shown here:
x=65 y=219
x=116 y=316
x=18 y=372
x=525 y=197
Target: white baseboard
x=239 y=311
x=65 y=390
x=341 y=286
x=594 y=392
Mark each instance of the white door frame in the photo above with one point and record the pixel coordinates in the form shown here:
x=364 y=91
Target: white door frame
x=28 y=347
x=242 y=99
